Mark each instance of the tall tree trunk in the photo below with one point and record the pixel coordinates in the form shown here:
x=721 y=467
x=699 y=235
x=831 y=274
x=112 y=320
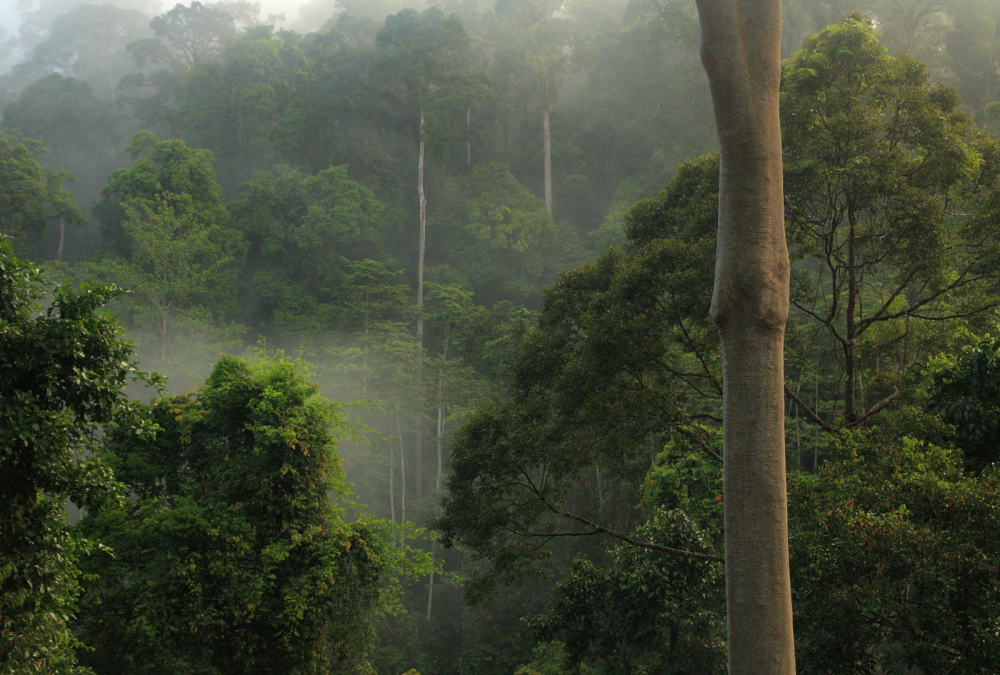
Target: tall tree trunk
x=392 y=478
x=468 y=136
x=547 y=140
x=418 y=440
x=163 y=338
x=430 y=587
x=741 y=50
x=62 y=238
x=440 y=464
x=402 y=473
x=816 y=408
x=850 y=360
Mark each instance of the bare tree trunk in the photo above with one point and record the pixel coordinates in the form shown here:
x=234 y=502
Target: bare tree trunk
x=392 y=478
x=798 y=428
x=440 y=465
x=418 y=442
x=163 y=339
x=547 y=140
x=816 y=394
x=741 y=50
x=430 y=588
x=62 y=238
x=402 y=472
x=850 y=360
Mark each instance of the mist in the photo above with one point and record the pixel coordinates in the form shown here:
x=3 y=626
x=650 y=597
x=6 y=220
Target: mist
x=484 y=231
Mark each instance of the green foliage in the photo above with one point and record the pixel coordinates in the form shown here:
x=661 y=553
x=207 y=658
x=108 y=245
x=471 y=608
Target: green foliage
x=246 y=105
x=645 y=611
x=891 y=551
x=229 y=554
x=168 y=234
x=685 y=479
x=967 y=396
x=304 y=233
x=422 y=50
x=503 y=215
x=593 y=386
x=63 y=369
x=165 y=170
x=508 y=246
x=62 y=112
x=887 y=182
x=185 y=36
x=30 y=196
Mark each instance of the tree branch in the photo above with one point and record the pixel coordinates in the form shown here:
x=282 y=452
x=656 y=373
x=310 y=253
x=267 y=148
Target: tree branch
x=635 y=542
x=810 y=413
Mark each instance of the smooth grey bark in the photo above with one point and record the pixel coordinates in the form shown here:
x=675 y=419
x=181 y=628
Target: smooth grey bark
x=62 y=238
x=418 y=439
x=547 y=140
x=392 y=480
x=440 y=463
x=402 y=475
x=741 y=51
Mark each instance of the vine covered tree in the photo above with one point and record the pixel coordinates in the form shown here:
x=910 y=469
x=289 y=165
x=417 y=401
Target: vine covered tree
x=63 y=371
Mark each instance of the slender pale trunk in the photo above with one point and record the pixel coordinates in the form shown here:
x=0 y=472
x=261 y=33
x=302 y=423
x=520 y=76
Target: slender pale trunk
x=402 y=472
x=850 y=359
x=418 y=442
x=816 y=408
x=430 y=587
x=62 y=238
x=163 y=339
x=392 y=477
x=440 y=464
x=547 y=140
x=741 y=51
x=468 y=136
x=798 y=428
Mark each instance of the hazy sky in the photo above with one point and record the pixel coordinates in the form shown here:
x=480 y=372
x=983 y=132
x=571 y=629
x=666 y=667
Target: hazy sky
x=9 y=19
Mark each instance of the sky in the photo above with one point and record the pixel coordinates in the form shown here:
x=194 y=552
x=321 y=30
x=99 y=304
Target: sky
x=10 y=20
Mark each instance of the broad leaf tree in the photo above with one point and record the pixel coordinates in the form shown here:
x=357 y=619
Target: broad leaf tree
x=63 y=371
x=890 y=201
x=230 y=554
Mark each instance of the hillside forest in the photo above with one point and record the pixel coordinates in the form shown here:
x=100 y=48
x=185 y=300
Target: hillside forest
x=377 y=340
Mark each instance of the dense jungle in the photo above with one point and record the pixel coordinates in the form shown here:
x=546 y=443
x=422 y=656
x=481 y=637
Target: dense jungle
x=373 y=336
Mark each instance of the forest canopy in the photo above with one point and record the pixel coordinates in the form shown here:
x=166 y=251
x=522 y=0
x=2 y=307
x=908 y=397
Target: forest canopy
x=485 y=233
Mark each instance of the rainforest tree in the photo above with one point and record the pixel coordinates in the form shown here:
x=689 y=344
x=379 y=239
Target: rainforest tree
x=229 y=553
x=63 y=371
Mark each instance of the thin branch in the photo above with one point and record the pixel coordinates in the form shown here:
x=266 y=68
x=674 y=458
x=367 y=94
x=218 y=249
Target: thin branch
x=635 y=542
x=697 y=352
x=878 y=407
x=700 y=443
x=810 y=413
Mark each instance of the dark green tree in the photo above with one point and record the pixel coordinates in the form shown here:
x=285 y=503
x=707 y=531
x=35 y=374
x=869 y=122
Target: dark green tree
x=63 y=371
x=967 y=396
x=889 y=194
x=76 y=128
x=622 y=345
x=31 y=197
x=892 y=548
x=230 y=555
x=302 y=234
